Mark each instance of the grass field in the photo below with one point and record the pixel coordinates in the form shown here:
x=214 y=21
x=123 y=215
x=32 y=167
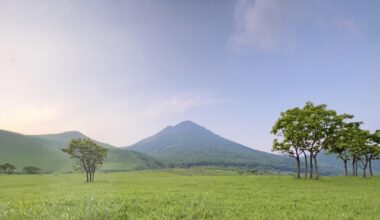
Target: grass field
x=187 y=194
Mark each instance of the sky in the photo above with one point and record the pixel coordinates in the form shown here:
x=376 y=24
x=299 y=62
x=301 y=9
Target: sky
x=121 y=70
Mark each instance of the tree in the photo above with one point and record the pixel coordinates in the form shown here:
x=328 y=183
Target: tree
x=31 y=170
x=360 y=150
x=88 y=155
x=7 y=168
x=343 y=143
x=309 y=129
x=374 y=149
x=289 y=128
x=322 y=126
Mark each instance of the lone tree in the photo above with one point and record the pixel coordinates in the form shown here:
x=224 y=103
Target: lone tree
x=88 y=155
x=7 y=168
x=31 y=170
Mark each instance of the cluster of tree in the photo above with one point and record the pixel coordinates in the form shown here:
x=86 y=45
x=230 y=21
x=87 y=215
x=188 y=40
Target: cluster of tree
x=7 y=168
x=305 y=132
x=31 y=170
x=88 y=156
x=358 y=146
x=10 y=168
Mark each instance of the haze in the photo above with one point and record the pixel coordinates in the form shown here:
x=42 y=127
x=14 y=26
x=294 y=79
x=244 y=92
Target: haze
x=119 y=71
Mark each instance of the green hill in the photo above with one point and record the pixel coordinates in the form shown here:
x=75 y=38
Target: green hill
x=62 y=139
x=184 y=145
x=188 y=144
x=44 y=151
x=22 y=150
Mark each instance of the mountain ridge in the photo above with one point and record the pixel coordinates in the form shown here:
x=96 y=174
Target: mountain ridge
x=45 y=152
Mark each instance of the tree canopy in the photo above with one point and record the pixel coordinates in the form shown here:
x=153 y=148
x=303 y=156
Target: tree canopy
x=31 y=170
x=88 y=156
x=309 y=130
x=7 y=168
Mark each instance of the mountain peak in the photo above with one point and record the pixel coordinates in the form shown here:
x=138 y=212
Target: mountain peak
x=187 y=123
x=188 y=144
x=78 y=133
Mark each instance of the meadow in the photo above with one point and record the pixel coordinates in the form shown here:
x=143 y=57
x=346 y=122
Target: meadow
x=187 y=194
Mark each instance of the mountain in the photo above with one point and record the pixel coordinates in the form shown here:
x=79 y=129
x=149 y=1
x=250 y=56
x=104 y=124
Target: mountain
x=44 y=151
x=331 y=160
x=188 y=144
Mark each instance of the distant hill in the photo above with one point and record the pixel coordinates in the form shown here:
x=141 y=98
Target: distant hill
x=61 y=140
x=22 y=150
x=330 y=160
x=188 y=144
x=44 y=151
x=184 y=145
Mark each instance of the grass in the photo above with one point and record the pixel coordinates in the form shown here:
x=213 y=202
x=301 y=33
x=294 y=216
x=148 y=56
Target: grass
x=187 y=194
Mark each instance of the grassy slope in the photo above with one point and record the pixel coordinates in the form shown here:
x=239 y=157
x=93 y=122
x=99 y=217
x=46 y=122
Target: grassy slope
x=187 y=194
x=44 y=151
x=61 y=140
x=22 y=150
x=117 y=159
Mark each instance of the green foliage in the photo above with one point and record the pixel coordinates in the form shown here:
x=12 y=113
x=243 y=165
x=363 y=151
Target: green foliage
x=7 y=168
x=358 y=145
x=87 y=154
x=375 y=145
x=311 y=129
x=31 y=170
x=314 y=128
x=345 y=139
x=187 y=194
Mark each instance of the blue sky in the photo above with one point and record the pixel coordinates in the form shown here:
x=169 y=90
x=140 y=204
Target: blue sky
x=122 y=70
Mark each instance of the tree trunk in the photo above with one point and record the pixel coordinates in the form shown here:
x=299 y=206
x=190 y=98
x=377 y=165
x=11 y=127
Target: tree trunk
x=370 y=167
x=356 y=168
x=87 y=176
x=353 y=167
x=316 y=167
x=311 y=165
x=93 y=176
x=365 y=168
x=345 y=168
x=305 y=165
x=298 y=167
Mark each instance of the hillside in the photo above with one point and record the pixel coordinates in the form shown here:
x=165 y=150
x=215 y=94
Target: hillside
x=331 y=160
x=22 y=150
x=44 y=151
x=62 y=139
x=188 y=144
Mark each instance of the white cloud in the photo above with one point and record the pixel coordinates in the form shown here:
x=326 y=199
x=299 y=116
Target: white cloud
x=266 y=24
x=269 y=25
